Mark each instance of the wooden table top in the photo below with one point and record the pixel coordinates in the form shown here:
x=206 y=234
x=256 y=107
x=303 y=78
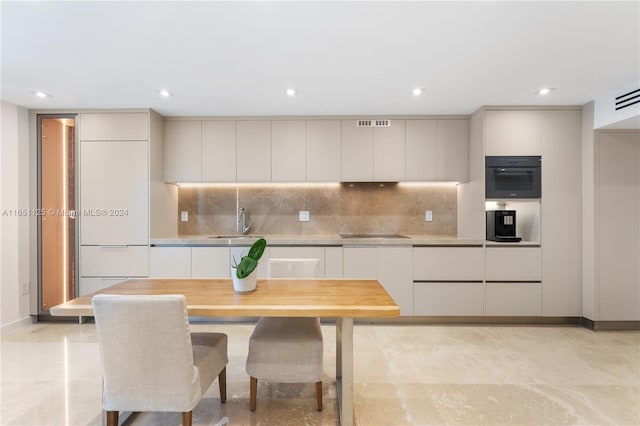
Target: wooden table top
x=272 y=297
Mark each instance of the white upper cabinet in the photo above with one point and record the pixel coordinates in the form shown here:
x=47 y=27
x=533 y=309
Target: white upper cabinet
x=357 y=152
x=114 y=127
x=389 y=152
x=218 y=151
x=114 y=192
x=453 y=151
x=253 y=154
x=513 y=132
x=421 y=150
x=324 y=146
x=183 y=151
x=288 y=151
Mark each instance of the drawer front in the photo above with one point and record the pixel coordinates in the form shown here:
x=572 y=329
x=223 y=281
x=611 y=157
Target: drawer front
x=114 y=261
x=514 y=299
x=170 y=262
x=448 y=263
x=210 y=262
x=300 y=253
x=514 y=264
x=450 y=298
x=91 y=285
x=114 y=127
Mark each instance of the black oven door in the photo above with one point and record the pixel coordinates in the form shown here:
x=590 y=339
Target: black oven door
x=512 y=182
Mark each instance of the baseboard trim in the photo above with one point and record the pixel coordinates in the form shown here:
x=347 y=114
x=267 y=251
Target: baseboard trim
x=473 y=320
x=14 y=325
x=610 y=325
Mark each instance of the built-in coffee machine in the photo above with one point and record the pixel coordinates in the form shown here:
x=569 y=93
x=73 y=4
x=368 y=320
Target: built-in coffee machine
x=501 y=226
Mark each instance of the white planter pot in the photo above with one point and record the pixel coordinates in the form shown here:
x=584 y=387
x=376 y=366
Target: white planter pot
x=244 y=285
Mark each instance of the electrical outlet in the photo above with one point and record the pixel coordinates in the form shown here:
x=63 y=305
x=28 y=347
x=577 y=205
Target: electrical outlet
x=428 y=216
x=24 y=289
x=184 y=216
x=303 y=216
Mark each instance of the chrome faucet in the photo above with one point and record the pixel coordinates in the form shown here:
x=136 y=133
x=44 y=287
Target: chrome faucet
x=242 y=220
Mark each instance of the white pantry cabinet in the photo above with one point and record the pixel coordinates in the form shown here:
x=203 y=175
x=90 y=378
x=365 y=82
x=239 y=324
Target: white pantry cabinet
x=288 y=151
x=391 y=266
x=253 y=152
x=183 y=151
x=324 y=150
x=453 y=150
x=114 y=192
x=114 y=126
x=219 y=151
x=513 y=132
x=114 y=261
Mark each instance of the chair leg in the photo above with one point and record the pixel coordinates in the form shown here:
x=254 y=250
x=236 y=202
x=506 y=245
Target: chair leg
x=222 y=382
x=112 y=418
x=253 y=390
x=319 y=395
x=186 y=418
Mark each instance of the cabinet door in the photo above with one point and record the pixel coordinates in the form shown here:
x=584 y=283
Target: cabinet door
x=170 y=262
x=360 y=262
x=324 y=146
x=389 y=152
x=183 y=151
x=114 y=261
x=114 y=126
x=448 y=298
x=453 y=150
x=93 y=284
x=513 y=133
x=395 y=273
x=288 y=151
x=210 y=262
x=253 y=160
x=114 y=192
x=513 y=299
x=357 y=152
x=421 y=150
x=300 y=253
x=333 y=261
x=218 y=151
x=514 y=264
x=448 y=263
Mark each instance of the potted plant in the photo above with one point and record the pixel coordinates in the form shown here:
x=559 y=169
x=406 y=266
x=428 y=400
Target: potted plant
x=244 y=272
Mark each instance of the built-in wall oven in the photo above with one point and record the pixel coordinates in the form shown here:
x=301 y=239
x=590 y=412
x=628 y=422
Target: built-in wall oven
x=513 y=177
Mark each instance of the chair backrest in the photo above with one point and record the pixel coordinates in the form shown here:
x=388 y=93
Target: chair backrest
x=293 y=268
x=146 y=353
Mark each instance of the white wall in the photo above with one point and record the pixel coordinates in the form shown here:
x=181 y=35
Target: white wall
x=14 y=230
x=589 y=264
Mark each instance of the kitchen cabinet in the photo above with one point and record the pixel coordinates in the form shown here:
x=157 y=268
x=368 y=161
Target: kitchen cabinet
x=357 y=152
x=253 y=153
x=114 y=261
x=170 y=262
x=513 y=299
x=324 y=150
x=389 y=152
x=513 y=132
x=301 y=253
x=421 y=150
x=391 y=266
x=114 y=126
x=453 y=151
x=90 y=285
x=288 y=151
x=448 y=281
x=333 y=262
x=514 y=263
x=114 y=192
x=183 y=151
x=218 y=151
x=210 y=262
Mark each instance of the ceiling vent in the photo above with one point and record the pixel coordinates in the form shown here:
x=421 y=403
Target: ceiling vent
x=374 y=123
x=628 y=99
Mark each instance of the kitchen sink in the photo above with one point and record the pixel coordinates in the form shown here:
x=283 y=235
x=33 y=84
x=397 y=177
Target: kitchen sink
x=373 y=236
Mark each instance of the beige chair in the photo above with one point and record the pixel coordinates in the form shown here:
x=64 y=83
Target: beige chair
x=287 y=350
x=150 y=360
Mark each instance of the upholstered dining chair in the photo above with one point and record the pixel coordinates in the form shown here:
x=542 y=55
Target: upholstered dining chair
x=150 y=360
x=287 y=350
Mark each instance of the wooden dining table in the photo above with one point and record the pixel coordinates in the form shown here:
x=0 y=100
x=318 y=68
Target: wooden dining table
x=342 y=299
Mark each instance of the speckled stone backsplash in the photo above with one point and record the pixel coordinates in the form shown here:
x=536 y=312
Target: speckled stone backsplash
x=333 y=208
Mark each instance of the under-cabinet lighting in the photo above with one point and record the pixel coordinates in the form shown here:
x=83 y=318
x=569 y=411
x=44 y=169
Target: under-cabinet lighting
x=429 y=184
x=262 y=185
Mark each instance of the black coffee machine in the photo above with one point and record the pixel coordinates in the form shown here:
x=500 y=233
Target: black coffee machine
x=501 y=226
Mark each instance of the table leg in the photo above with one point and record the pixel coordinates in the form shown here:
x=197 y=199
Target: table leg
x=344 y=369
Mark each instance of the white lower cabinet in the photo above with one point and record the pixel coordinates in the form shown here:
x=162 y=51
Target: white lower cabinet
x=170 y=262
x=210 y=262
x=90 y=285
x=300 y=253
x=514 y=264
x=391 y=266
x=114 y=261
x=333 y=262
x=513 y=299
x=448 y=298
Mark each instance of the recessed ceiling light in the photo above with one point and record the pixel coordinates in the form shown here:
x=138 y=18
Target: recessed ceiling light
x=544 y=91
x=41 y=94
x=417 y=91
x=292 y=92
x=165 y=93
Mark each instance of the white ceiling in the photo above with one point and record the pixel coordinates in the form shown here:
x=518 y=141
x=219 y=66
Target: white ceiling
x=237 y=58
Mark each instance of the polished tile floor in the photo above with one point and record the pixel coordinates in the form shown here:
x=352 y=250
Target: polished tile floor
x=404 y=375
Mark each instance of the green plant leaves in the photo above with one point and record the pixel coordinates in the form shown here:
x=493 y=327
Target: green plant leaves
x=249 y=262
x=257 y=249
